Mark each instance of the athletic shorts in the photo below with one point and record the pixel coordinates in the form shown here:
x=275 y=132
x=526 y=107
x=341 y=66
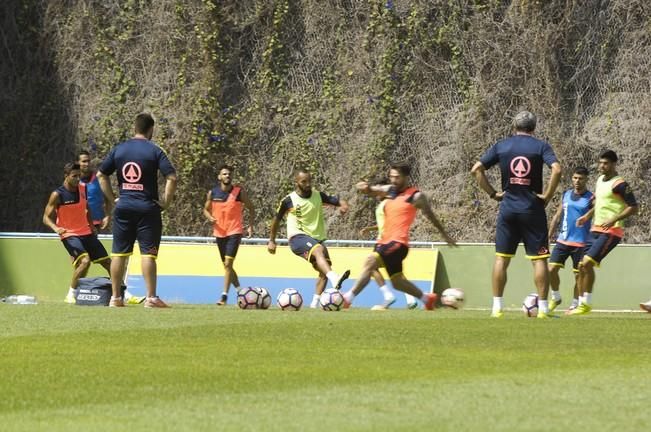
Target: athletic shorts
x=562 y=252
x=303 y=245
x=85 y=245
x=390 y=256
x=228 y=245
x=530 y=228
x=602 y=244
x=131 y=225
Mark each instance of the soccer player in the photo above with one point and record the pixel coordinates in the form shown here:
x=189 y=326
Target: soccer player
x=614 y=202
x=306 y=229
x=96 y=202
x=137 y=214
x=389 y=298
x=224 y=208
x=402 y=203
x=67 y=214
x=522 y=204
x=574 y=234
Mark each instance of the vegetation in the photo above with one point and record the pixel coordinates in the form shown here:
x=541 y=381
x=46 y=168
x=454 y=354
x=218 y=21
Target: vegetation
x=340 y=86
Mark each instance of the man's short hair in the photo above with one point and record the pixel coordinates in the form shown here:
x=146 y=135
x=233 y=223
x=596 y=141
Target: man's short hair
x=303 y=170
x=83 y=153
x=524 y=121
x=144 y=122
x=70 y=167
x=581 y=170
x=609 y=154
x=402 y=167
x=227 y=167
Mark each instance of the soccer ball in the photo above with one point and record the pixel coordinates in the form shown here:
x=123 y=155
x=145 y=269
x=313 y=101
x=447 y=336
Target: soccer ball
x=264 y=301
x=453 y=298
x=289 y=299
x=247 y=298
x=331 y=300
x=530 y=305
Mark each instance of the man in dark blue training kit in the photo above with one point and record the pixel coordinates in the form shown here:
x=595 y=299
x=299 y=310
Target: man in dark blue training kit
x=522 y=204
x=137 y=214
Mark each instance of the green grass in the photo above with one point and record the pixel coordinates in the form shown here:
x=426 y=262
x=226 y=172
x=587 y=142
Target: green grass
x=201 y=368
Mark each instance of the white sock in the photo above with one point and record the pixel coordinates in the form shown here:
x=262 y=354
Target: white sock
x=349 y=296
x=333 y=277
x=73 y=291
x=315 y=301
x=498 y=304
x=386 y=292
x=127 y=295
x=410 y=298
x=543 y=306
x=587 y=298
x=575 y=303
x=116 y=298
x=556 y=295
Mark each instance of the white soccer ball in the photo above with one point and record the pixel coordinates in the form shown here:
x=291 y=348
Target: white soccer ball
x=289 y=299
x=453 y=298
x=247 y=298
x=331 y=300
x=530 y=305
x=264 y=301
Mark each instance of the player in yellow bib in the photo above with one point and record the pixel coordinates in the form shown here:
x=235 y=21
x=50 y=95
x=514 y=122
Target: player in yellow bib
x=614 y=202
x=306 y=229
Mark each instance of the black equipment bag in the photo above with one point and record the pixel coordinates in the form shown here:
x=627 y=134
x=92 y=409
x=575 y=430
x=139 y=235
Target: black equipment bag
x=95 y=291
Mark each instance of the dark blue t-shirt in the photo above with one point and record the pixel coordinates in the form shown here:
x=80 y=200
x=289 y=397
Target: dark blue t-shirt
x=137 y=162
x=521 y=159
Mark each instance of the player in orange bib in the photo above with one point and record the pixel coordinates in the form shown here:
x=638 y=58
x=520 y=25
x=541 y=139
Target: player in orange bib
x=66 y=213
x=224 y=208
x=403 y=202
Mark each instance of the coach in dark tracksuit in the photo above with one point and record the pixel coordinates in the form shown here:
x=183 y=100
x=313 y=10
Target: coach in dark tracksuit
x=137 y=215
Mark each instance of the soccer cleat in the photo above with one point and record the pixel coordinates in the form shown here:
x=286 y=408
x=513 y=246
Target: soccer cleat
x=646 y=306
x=342 y=279
x=543 y=315
x=155 y=302
x=70 y=299
x=116 y=302
x=581 y=309
x=384 y=306
x=497 y=314
x=223 y=300
x=553 y=304
x=430 y=303
x=569 y=310
x=134 y=300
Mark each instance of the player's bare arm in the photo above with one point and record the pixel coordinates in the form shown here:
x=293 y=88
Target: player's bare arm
x=554 y=181
x=375 y=190
x=585 y=218
x=422 y=202
x=105 y=185
x=170 y=189
x=479 y=171
x=271 y=244
x=555 y=220
x=206 y=208
x=343 y=206
x=48 y=213
x=248 y=204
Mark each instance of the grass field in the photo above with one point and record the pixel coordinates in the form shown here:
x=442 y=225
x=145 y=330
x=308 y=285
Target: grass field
x=68 y=368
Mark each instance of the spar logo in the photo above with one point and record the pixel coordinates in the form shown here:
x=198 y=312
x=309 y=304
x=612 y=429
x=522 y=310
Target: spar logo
x=520 y=168
x=131 y=173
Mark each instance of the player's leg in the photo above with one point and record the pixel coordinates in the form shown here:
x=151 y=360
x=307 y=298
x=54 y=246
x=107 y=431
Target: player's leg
x=536 y=243
x=387 y=295
x=601 y=246
x=80 y=264
x=507 y=237
x=556 y=263
x=370 y=264
x=124 y=237
x=319 y=256
x=149 y=231
x=321 y=283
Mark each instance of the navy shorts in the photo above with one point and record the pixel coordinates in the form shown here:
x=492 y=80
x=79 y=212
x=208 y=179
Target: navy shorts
x=530 y=228
x=85 y=245
x=303 y=245
x=562 y=252
x=131 y=225
x=602 y=244
x=390 y=256
x=228 y=245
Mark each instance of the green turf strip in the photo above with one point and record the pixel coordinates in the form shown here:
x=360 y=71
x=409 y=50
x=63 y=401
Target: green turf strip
x=202 y=368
